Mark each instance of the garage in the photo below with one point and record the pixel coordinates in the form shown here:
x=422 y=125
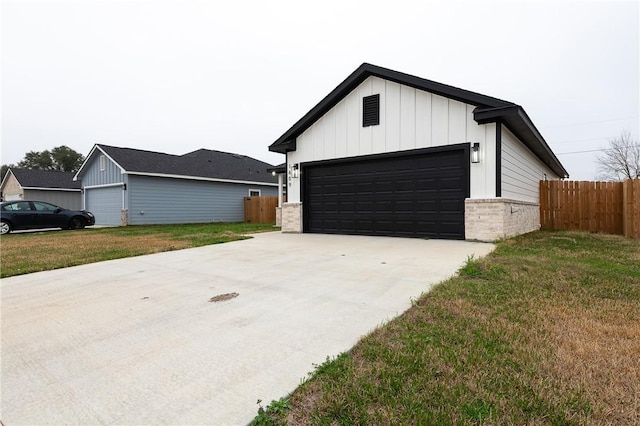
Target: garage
x=417 y=193
x=392 y=154
x=105 y=204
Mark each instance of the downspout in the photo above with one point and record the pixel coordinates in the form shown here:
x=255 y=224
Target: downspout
x=498 y=159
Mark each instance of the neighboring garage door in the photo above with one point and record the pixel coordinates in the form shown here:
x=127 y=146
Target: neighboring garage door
x=105 y=204
x=420 y=194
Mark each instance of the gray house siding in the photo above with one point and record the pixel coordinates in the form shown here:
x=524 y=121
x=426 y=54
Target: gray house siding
x=156 y=200
x=71 y=200
x=93 y=176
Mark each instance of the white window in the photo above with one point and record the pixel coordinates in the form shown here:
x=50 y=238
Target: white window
x=103 y=163
x=254 y=193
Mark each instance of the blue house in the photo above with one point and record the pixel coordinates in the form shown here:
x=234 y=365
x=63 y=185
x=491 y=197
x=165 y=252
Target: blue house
x=124 y=186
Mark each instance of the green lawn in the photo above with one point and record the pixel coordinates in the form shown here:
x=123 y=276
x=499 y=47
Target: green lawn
x=545 y=330
x=41 y=251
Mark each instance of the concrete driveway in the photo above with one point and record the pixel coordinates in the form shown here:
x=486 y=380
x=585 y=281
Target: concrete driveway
x=138 y=341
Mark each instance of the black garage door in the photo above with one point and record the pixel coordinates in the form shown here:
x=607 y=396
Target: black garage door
x=413 y=194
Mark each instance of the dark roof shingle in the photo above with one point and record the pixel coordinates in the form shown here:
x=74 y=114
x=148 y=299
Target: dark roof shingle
x=31 y=178
x=200 y=163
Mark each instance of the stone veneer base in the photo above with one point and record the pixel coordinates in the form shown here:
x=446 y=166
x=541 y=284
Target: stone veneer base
x=485 y=219
x=495 y=218
x=291 y=217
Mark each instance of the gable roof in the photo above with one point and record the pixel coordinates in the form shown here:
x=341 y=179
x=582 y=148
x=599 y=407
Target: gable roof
x=204 y=164
x=488 y=109
x=43 y=179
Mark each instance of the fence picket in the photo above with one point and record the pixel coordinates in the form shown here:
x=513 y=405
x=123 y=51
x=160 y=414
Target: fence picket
x=260 y=209
x=609 y=207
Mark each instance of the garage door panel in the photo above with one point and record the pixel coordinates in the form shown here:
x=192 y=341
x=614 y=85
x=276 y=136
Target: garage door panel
x=413 y=195
x=105 y=204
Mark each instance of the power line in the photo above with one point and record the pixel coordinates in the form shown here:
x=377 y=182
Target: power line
x=589 y=150
x=592 y=122
x=583 y=140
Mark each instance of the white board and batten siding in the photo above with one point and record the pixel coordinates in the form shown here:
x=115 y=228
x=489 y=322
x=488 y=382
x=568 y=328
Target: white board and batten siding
x=157 y=200
x=409 y=119
x=522 y=171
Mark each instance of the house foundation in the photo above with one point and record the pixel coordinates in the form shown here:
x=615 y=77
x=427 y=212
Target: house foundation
x=279 y=216
x=291 y=217
x=495 y=218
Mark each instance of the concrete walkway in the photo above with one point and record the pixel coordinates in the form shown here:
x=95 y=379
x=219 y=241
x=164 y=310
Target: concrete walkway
x=138 y=341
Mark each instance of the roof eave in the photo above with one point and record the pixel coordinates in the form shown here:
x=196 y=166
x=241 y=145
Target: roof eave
x=279 y=169
x=6 y=175
x=88 y=159
x=364 y=71
x=517 y=120
x=284 y=147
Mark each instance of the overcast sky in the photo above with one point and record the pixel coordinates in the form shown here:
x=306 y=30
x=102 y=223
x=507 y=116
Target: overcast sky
x=176 y=76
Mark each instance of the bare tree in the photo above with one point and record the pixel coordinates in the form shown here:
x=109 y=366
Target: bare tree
x=621 y=161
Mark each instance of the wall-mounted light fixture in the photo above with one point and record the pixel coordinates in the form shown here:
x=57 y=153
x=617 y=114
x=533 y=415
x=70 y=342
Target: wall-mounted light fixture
x=273 y=173
x=475 y=152
x=295 y=170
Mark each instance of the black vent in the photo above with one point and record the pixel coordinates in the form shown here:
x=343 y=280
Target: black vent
x=371 y=110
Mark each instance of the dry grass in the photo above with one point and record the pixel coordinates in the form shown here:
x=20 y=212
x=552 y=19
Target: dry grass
x=598 y=351
x=41 y=251
x=546 y=330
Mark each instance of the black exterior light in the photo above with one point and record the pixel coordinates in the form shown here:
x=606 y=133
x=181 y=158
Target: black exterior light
x=475 y=152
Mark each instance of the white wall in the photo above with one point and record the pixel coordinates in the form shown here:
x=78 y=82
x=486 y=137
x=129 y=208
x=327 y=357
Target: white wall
x=409 y=119
x=522 y=171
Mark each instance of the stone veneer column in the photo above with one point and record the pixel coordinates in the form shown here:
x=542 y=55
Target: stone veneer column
x=495 y=218
x=292 y=217
x=278 y=216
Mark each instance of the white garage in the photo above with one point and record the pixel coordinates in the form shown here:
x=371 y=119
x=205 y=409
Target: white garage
x=388 y=153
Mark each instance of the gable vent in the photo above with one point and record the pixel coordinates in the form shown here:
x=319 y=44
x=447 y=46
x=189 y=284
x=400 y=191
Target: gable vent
x=371 y=110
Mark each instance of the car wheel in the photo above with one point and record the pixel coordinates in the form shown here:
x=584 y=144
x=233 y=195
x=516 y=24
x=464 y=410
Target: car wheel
x=5 y=227
x=76 y=223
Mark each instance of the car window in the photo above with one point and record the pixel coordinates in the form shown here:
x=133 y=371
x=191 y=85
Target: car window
x=44 y=207
x=19 y=206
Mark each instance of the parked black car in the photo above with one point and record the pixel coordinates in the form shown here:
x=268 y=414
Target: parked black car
x=39 y=214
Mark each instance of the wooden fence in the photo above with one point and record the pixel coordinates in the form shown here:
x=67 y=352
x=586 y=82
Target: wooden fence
x=260 y=209
x=631 y=209
x=609 y=207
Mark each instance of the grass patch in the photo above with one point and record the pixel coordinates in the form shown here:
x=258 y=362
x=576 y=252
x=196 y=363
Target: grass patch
x=42 y=251
x=545 y=330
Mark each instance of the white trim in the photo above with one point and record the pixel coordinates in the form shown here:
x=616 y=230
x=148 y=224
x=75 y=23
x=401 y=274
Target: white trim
x=280 y=195
x=34 y=188
x=102 y=159
x=6 y=176
x=104 y=185
x=246 y=182
x=88 y=159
